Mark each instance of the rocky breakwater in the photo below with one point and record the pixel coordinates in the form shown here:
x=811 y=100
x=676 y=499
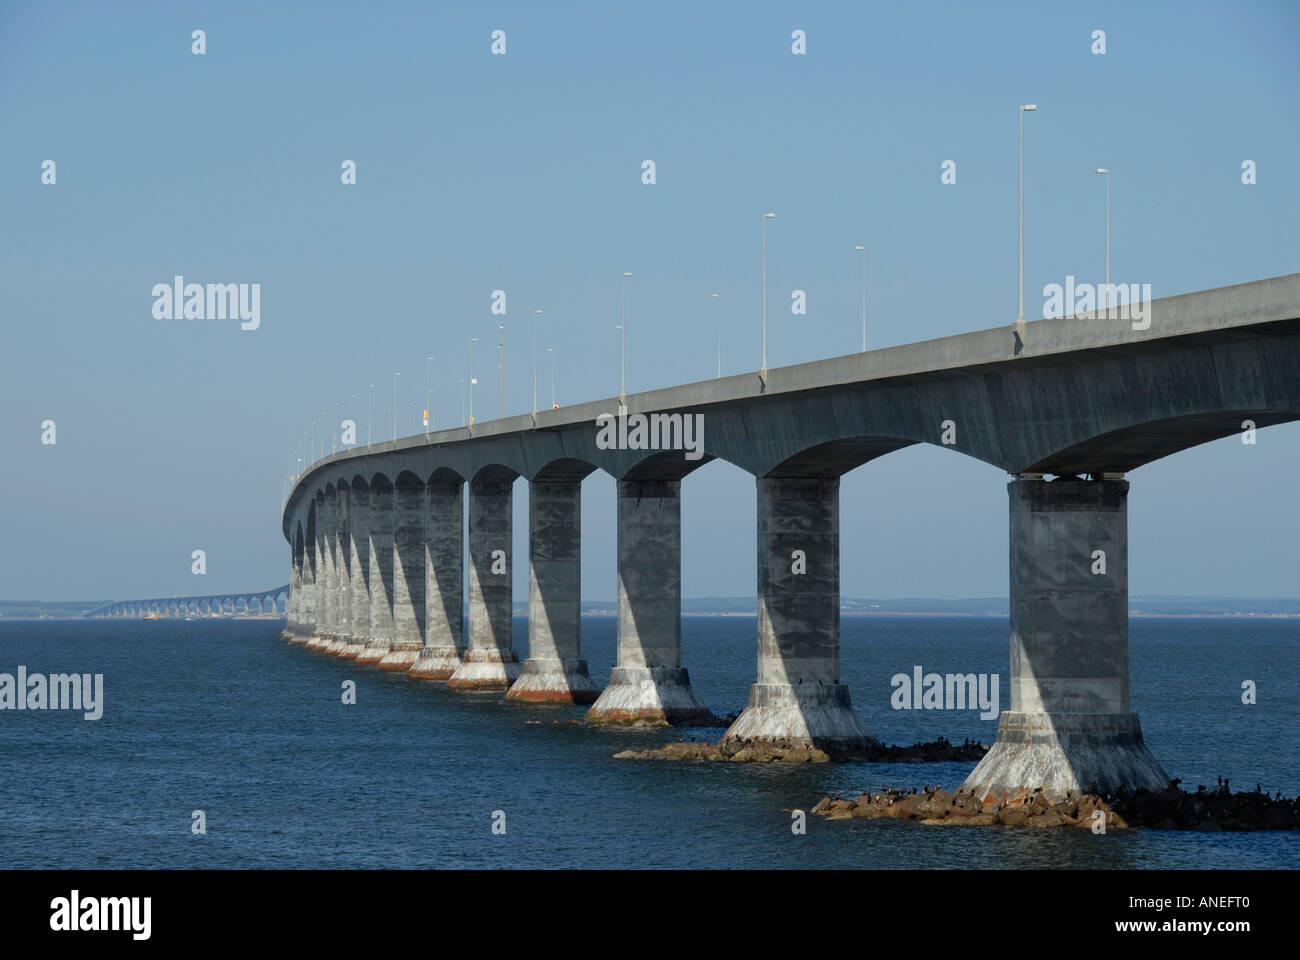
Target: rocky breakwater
x=766 y=751
x=1170 y=809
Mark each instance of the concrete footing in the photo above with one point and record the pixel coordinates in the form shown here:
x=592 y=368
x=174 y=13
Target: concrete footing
x=372 y=652
x=486 y=670
x=812 y=715
x=436 y=663
x=554 y=681
x=401 y=655
x=649 y=696
x=353 y=648
x=1082 y=752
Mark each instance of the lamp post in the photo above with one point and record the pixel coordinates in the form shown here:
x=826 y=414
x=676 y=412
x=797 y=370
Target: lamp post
x=462 y=401
x=351 y=397
x=370 y=415
x=622 y=325
x=427 y=362
x=717 y=299
x=395 y=376
x=472 y=381
x=766 y=217
x=536 y=314
x=864 y=295
x=1106 y=171
x=554 y=405
x=501 y=364
x=1024 y=108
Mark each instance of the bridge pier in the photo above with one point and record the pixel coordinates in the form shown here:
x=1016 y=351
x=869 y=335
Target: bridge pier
x=316 y=546
x=408 y=576
x=444 y=587
x=798 y=698
x=648 y=684
x=490 y=662
x=1070 y=726
x=358 y=546
x=342 y=558
x=554 y=671
x=381 y=573
x=330 y=594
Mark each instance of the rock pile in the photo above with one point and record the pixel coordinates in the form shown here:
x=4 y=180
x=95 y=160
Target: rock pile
x=766 y=751
x=1168 y=809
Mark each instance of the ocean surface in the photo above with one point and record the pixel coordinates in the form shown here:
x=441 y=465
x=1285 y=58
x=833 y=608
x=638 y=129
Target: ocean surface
x=224 y=717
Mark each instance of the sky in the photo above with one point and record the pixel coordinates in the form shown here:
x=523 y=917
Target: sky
x=523 y=172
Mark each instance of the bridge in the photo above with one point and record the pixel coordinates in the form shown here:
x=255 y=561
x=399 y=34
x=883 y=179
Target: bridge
x=1067 y=407
x=262 y=603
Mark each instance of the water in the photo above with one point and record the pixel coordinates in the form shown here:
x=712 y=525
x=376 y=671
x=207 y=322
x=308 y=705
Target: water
x=224 y=717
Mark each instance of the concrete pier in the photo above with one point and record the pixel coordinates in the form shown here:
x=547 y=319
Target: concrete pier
x=359 y=548
x=1070 y=726
x=798 y=698
x=341 y=565
x=490 y=661
x=381 y=572
x=444 y=590
x=648 y=684
x=320 y=618
x=554 y=671
x=408 y=575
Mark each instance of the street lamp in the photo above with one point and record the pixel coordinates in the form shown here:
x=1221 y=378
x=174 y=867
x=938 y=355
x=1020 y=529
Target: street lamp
x=427 y=362
x=619 y=327
x=395 y=376
x=501 y=365
x=554 y=405
x=351 y=397
x=766 y=217
x=622 y=317
x=370 y=415
x=1024 y=108
x=536 y=314
x=717 y=299
x=864 y=295
x=472 y=381
x=1106 y=171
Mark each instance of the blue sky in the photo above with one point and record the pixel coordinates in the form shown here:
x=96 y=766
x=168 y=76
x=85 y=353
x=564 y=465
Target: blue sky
x=523 y=172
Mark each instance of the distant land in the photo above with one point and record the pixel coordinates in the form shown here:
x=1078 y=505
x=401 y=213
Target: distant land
x=1143 y=606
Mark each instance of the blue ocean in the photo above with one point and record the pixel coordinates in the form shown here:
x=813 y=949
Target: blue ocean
x=223 y=717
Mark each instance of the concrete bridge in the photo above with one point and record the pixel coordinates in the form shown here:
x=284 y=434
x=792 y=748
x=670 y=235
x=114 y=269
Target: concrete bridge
x=263 y=603
x=1066 y=407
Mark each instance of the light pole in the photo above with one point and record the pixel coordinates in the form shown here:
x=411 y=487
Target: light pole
x=864 y=295
x=395 y=376
x=622 y=325
x=334 y=437
x=766 y=217
x=427 y=362
x=554 y=405
x=351 y=397
x=501 y=365
x=370 y=415
x=1024 y=108
x=472 y=381
x=619 y=328
x=313 y=441
x=717 y=299
x=1106 y=171
x=536 y=314
x=462 y=401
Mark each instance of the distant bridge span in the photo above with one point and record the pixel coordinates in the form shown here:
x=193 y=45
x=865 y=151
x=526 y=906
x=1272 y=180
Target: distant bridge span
x=377 y=552
x=261 y=603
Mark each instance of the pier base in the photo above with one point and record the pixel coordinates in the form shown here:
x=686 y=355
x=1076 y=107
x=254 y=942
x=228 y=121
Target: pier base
x=486 y=669
x=372 y=653
x=401 y=656
x=436 y=663
x=649 y=696
x=810 y=715
x=554 y=681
